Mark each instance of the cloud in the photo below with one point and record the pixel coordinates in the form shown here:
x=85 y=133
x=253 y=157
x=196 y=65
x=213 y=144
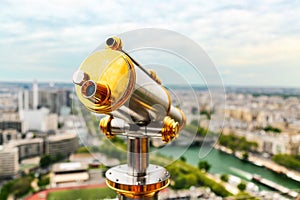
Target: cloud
x=239 y=36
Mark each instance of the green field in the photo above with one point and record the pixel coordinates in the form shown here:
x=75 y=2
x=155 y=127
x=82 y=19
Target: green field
x=82 y=194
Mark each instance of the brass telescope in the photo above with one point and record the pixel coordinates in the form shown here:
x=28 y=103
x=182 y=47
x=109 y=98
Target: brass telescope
x=111 y=82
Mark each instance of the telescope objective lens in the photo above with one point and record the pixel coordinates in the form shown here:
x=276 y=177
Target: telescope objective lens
x=95 y=92
x=90 y=90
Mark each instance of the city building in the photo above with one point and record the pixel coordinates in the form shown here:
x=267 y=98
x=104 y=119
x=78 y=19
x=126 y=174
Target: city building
x=63 y=144
x=35 y=90
x=51 y=122
x=39 y=119
x=8 y=135
x=69 y=172
x=11 y=120
x=54 y=99
x=28 y=148
x=9 y=165
x=271 y=143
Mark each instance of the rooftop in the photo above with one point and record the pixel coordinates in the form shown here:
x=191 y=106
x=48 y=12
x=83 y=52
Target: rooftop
x=59 y=137
x=15 y=143
x=69 y=167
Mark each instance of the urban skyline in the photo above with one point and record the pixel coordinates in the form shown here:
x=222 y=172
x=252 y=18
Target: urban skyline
x=269 y=125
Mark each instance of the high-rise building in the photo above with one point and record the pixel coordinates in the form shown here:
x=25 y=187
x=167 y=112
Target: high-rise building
x=9 y=165
x=26 y=100
x=35 y=91
x=20 y=100
x=54 y=99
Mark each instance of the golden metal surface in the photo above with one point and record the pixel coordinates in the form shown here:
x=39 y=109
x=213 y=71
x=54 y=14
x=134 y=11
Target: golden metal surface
x=169 y=100
x=112 y=69
x=132 y=191
x=96 y=92
x=182 y=124
x=154 y=76
x=170 y=129
x=105 y=126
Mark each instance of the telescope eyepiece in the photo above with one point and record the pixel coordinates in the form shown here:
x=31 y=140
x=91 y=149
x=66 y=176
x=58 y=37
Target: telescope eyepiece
x=110 y=42
x=96 y=92
x=114 y=43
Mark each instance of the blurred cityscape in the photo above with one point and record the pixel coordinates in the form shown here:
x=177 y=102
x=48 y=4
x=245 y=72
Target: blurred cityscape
x=49 y=146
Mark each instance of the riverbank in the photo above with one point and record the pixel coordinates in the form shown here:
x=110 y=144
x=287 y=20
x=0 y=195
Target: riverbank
x=262 y=162
x=224 y=163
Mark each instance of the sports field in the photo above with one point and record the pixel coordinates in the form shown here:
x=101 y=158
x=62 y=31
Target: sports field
x=82 y=194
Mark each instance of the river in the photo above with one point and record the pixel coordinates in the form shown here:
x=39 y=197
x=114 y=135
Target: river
x=222 y=163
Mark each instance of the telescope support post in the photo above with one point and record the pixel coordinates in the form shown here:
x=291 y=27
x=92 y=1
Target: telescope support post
x=137 y=179
x=138 y=155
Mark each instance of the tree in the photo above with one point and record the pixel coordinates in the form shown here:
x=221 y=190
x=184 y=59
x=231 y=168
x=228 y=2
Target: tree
x=245 y=156
x=43 y=181
x=204 y=165
x=289 y=161
x=201 y=131
x=45 y=161
x=272 y=129
x=242 y=186
x=182 y=158
x=59 y=157
x=237 y=143
x=207 y=113
x=224 y=177
x=82 y=149
x=22 y=186
x=180 y=182
x=5 y=190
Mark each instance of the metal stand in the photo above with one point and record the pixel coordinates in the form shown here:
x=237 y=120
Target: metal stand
x=111 y=82
x=154 y=197
x=138 y=179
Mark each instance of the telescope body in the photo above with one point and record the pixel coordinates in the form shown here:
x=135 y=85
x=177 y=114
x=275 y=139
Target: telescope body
x=111 y=82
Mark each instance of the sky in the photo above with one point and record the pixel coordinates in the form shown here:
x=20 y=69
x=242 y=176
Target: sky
x=251 y=43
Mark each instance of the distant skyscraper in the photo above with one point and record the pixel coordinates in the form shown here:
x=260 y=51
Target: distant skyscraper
x=26 y=100
x=20 y=100
x=35 y=95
